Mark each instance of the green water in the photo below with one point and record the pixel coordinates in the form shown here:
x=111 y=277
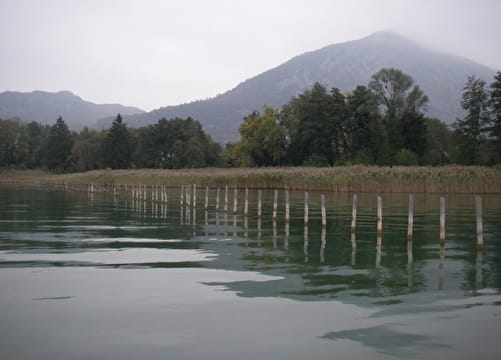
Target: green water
x=96 y=276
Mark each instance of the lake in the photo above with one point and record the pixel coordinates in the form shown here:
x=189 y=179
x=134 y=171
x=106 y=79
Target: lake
x=97 y=276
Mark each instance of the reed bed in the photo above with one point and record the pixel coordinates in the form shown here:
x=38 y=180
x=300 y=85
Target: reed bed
x=449 y=179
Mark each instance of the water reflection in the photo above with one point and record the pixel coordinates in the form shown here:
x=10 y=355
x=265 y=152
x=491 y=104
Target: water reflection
x=331 y=265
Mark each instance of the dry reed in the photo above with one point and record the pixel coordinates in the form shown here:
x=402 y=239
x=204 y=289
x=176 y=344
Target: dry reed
x=448 y=179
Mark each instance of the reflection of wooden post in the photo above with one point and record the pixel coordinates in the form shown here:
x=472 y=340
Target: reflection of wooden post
x=259 y=231
x=217 y=199
x=246 y=230
x=181 y=200
x=410 y=267
x=378 y=255
x=246 y=204
x=286 y=238
x=379 y=214
x=206 y=205
x=305 y=246
x=353 y=249
x=287 y=208
x=410 y=223
x=442 y=219
x=324 y=216
x=275 y=202
x=259 y=202
x=322 y=246
x=306 y=208
x=194 y=195
x=478 y=269
x=235 y=200
x=480 y=235
x=354 y=213
x=274 y=234
x=226 y=199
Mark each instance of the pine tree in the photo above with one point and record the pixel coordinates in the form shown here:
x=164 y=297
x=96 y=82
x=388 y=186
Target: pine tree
x=60 y=141
x=118 y=146
x=495 y=104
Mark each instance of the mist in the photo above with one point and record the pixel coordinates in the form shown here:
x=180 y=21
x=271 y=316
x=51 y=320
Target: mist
x=156 y=53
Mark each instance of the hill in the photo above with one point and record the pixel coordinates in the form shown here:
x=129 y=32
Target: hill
x=46 y=107
x=344 y=66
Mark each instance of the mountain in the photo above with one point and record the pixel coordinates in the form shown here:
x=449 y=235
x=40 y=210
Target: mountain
x=46 y=107
x=344 y=66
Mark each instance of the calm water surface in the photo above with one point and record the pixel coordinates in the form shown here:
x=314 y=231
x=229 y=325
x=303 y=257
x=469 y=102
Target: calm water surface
x=102 y=277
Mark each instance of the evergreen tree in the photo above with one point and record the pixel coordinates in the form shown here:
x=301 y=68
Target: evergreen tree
x=367 y=137
x=11 y=133
x=59 y=143
x=118 y=146
x=469 y=130
x=495 y=103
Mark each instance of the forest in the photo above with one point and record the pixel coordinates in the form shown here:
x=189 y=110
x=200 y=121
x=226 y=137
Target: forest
x=383 y=123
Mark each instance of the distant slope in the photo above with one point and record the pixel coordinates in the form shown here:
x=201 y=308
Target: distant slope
x=46 y=107
x=343 y=66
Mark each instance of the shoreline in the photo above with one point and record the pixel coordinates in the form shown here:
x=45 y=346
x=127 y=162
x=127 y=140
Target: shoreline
x=358 y=178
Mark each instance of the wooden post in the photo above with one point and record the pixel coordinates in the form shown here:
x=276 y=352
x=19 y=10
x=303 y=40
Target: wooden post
x=442 y=219
x=287 y=207
x=354 y=213
x=306 y=208
x=217 y=200
x=480 y=235
x=379 y=214
x=324 y=215
x=410 y=222
x=275 y=202
x=235 y=200
x=181 y=200
x=206 y=206
x=246 y=204
x=188 y=195
x=259 y=202
x=226 y=199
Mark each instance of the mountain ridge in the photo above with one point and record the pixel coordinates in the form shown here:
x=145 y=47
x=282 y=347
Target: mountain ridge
x=344 y=65
x=45 y=107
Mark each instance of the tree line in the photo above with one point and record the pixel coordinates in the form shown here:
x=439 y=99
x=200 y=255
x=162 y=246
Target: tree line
x=170 y=144
x=383 y=123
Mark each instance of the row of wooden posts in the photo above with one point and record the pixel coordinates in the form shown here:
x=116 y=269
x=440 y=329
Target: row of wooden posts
x=188 y=197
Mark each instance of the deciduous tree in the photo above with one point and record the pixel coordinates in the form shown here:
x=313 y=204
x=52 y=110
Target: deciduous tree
x=469 y=130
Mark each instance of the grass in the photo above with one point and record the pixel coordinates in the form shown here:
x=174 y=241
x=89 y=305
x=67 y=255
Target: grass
x=449 y=179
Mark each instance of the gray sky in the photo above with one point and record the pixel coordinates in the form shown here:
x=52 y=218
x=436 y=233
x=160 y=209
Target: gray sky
x=152 y=53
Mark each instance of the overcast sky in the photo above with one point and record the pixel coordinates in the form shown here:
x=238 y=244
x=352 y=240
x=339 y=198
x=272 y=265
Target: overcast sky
x=152 y=53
